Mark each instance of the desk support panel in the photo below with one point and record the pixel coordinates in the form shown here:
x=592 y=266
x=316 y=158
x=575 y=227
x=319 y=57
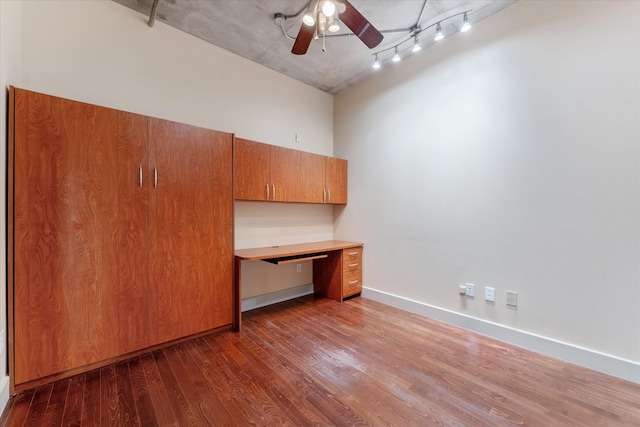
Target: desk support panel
x=327 y=276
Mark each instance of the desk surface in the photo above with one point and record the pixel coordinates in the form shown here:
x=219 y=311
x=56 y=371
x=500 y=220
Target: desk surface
x=292 y=250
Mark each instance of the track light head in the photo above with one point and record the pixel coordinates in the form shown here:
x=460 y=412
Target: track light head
x=416 y=45
x=466 y=26
x=396 y=57
x=376 y=63
x=439 y=35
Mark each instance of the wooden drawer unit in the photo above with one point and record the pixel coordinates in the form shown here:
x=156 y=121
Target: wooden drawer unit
x=351 y=271
x=339 y=274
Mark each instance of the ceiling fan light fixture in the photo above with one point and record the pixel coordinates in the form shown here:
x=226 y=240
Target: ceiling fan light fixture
x=439 y=35
x=466 y=26
x=328 y=8
x=396 y=56
x=416 y=45
x=334 y=25
x=309 y=18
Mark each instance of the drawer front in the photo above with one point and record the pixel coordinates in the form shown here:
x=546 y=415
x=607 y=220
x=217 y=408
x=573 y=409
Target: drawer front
x=351 y=283
x=352 y=255
x=352 y=266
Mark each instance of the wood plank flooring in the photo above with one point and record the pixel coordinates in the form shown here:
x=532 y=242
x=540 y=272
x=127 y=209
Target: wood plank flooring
x=314 y=361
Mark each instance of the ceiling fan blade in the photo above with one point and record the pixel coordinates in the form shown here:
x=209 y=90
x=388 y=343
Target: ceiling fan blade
x=360 y=26
x=303 y=40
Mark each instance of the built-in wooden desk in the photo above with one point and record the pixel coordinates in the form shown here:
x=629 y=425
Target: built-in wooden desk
x=337 y=268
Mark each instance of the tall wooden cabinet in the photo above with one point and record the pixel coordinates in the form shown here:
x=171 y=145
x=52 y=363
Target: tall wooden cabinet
x=190 y=230
x=120 y=234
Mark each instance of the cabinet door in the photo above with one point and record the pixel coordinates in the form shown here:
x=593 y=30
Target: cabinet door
x=312 y=170
x=284 y=174
x=190 y=230
x=251 y=170
x=129 y=237
x=336 y=180
x=79 y=221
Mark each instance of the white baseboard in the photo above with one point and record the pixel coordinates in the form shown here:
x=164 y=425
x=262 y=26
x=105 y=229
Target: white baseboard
x=4 y=393
x=275 y=297
x=610 y=365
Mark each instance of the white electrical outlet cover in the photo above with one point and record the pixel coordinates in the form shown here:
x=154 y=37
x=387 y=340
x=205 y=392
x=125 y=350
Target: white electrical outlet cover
x=490 y=294
x=471 y=291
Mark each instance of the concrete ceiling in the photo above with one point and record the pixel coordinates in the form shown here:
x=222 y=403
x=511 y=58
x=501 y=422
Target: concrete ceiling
x=248 y=28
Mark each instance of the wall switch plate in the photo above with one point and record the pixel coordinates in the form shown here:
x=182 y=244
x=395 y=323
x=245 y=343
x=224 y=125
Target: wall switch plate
x=298 y=268
x=470 y=289
x=490 y=294
x=512 y=298
x=298 y=138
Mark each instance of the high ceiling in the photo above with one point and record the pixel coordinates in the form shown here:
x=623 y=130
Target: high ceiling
x=248 y=28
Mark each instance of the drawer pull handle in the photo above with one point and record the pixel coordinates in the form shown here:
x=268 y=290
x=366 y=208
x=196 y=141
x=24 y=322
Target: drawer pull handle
x=353 y=265
x=353 y=253
x=353 y=282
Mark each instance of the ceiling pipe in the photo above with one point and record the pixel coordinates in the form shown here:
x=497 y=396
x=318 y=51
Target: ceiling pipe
x=152 y=16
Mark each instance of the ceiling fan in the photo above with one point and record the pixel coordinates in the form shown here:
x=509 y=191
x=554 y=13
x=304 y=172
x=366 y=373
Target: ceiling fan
x=322 y=15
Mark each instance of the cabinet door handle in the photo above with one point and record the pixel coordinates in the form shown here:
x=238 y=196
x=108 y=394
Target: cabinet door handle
x=267 y=191
x=353 y=282
x=353 y=265
x=273 y=187
x=140 y=176
x=155 y=177
x=324 y=195
x=329 y=194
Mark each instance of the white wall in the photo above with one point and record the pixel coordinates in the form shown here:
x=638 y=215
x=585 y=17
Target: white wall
x=507 y=157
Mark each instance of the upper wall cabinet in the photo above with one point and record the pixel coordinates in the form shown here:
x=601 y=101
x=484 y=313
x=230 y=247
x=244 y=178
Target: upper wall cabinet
x=269 y=173
x=266 y=172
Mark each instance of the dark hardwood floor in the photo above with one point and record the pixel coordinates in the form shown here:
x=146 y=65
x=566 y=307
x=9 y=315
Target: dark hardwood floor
x=318 y=362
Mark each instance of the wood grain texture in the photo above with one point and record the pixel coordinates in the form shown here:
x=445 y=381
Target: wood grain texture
x=251 y=170
x=66 y=202
x=313 y=361
x=351 y=271
x=80 y=248
x=336 y=180
x=190 y=230
x=295 y=249
x=284 y=174
x=312 y=172
x=128 y=235
x=279 y=174
x=327 y=276
x=10 y=232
